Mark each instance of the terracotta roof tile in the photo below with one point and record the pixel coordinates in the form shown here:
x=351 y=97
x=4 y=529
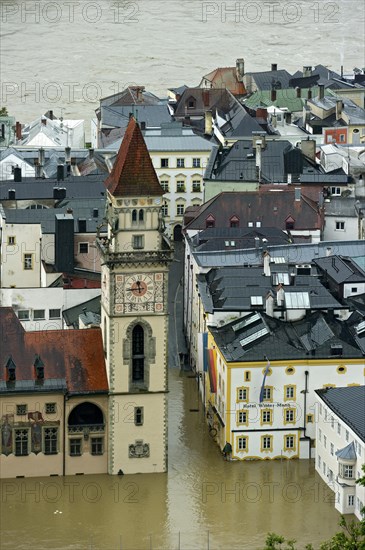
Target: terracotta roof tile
x=74 y=355
x=133 y=174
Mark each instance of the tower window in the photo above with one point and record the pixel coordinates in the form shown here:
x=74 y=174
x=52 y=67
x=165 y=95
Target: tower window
x=141 y=215
x=138 y=354
x=138 y=416
x=134 y=216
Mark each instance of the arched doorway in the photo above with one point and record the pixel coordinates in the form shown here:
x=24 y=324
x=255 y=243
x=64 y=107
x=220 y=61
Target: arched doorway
x=178 y=233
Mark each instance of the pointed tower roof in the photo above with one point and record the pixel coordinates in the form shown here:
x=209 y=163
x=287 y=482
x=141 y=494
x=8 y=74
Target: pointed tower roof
x=133 y=174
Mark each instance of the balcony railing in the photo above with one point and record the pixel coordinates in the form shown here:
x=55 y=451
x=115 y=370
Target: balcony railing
x=134 y=256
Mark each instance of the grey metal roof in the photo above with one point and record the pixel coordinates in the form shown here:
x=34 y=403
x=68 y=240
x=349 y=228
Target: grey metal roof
x=341 y=206
x=231 y=289
x=47 y=385
x=349 y=405
x=71 y=315
x=81 y=209
x=118 y=116
x=35 y=188
x=282 y=341
x=340 y=269
x=293 y=253
x=348 y=452
x=266 y=79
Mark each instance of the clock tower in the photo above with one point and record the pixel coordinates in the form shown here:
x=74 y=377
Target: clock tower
x=135 y=257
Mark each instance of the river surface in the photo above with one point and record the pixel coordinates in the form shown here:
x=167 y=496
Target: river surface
x=202 y=502
x=65 y=55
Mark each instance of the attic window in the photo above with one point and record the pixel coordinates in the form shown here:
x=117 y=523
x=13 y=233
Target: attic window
x=289 y=223
x=336 y=349
x=210 y=222
x=234 y=221
x=39 y=367
x=191 y=103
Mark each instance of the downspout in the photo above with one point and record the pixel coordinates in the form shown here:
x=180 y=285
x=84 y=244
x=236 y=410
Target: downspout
x=65 y=398
x=305 y=407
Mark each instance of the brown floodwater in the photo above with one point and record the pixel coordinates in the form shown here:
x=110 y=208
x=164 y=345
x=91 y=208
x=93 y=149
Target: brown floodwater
x=202 y=502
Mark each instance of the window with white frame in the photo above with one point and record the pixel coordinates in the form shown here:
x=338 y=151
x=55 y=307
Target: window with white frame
x=83 y=248
x=11 y=240
x=340 y=226
x=336 y=191
x=266 y=442
x=289 y=392
x=96 y=446
x=242 y=417
x=180 y=186
x=39 y=314
x=165 y=210
x=350 y=500
x=242 y=394
x=338 y=428
x=165 y=185
x=50 y=438
x=289 y=415
x=325 y=442
x=54 y=313
x=28 y=261
x=164 y=163
x=180 y=163
x=196 y=186
x=21 y=442
x=266 y=417
x=289 y=442
x=196 y=163
x=267 y=393
x=23 y=315
x=180 y=209
x=346 y=471
x=332 y=449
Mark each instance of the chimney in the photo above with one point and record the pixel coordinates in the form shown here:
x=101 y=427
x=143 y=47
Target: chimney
x=17 y=174
x=266 y=258
x=274 y=121
x=273 y=95
x=64 y=243
x=10 y=367
x=308 y=148
x=261 y=113
x=274 y=66
x=18 y=131
x=205 y=93
x=306 y=113
x=320 y=91
x=339 y=106
x=298 y=193
x=51 y=115
x=208 y=117
x=307 y=70
x=269 y=304
x=240 y=69
x=280 y=295
x=298 y=91
x=309 y=93
x=328 y=251
x=288 y=118
x=41 y=157
x=143 y=125
x=44 y=120
x=68 y=155
x=91 y=153
x=60 y=172
x=257 y=243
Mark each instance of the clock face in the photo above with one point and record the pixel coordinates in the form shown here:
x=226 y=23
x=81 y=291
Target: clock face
x=139 y=288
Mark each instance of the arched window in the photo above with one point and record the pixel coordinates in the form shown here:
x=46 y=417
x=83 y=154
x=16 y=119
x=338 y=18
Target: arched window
x=141 y=215
x=138 y=354
x=86 y=414
x=134 y=216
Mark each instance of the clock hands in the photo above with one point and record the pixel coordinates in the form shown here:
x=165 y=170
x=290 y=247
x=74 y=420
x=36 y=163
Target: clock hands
x=138 y=289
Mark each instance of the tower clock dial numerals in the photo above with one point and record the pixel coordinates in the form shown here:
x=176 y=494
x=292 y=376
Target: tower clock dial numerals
x=139 y=289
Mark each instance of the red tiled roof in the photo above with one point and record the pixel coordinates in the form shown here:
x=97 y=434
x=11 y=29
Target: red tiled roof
x=75 y=355
x=133 y=174
x=226 y=77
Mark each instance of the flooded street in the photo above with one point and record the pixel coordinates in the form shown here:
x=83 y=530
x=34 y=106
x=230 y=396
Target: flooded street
x=202 y=502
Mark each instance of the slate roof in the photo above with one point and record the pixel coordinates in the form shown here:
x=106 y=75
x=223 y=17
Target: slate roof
x=268 y=205
x=341 y=206
x=71 y=315
x=266 y=80
x=215 y=238
x=84 y=209
x=133 y=173
x=348 y=404
x=38 y=188
x=340 y=269
x=206 y=100
x=132 y=95
x=292 y=253
x=282 y=340
x=76 y=357
x=231 y=289
x=118 y=116
x=239 y=122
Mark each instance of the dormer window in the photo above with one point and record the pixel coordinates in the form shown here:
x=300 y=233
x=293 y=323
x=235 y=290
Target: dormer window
x=10 y=366
x=234 y=221
x=210 y=222
x=39 y=367
x=289 y=223
x=191 y=103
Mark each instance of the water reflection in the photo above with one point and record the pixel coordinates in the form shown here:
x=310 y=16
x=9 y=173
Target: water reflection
x=201 y=501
